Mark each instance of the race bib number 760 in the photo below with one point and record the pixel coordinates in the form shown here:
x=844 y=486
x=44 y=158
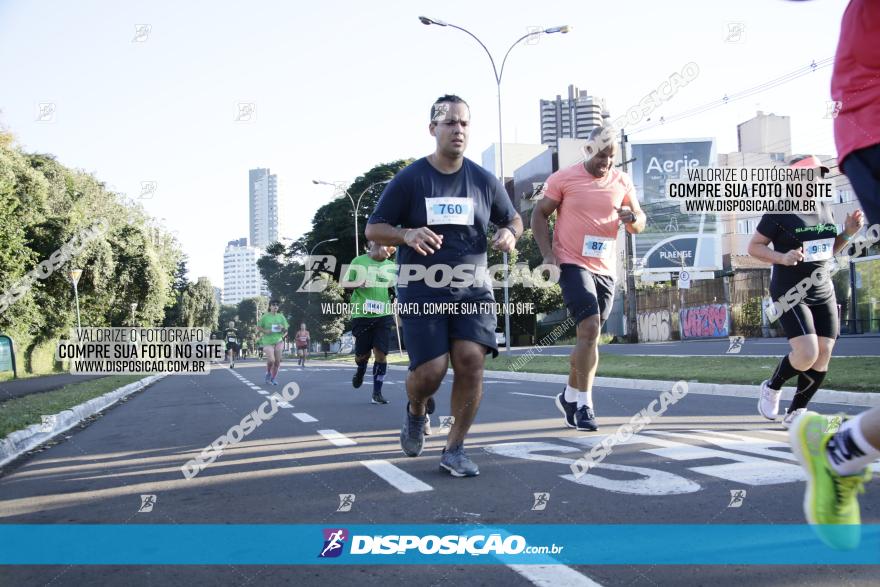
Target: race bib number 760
x=450 y=211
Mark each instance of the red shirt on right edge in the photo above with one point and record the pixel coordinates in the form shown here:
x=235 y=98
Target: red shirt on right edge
x=855 y=82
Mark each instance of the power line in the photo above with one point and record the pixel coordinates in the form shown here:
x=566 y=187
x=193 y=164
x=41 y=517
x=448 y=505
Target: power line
x=783 y=79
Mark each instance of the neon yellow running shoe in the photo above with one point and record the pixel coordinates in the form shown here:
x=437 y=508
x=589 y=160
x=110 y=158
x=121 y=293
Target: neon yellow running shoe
x=830 y=502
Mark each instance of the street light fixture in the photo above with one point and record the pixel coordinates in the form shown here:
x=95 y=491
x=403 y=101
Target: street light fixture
x=74 y=277
x=498 y=73
x=355 y=205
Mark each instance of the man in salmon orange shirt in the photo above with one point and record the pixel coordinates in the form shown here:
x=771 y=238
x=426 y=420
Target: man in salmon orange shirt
x=592 y=199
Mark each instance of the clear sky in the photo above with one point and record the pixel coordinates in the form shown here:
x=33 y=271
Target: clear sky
x=339 y=86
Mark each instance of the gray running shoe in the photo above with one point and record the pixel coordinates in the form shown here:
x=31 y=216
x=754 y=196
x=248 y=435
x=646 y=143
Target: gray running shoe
x=412 y=435
x=458 y=463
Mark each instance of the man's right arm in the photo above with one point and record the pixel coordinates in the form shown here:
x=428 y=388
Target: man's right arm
x=544 y=208
x=423 y=240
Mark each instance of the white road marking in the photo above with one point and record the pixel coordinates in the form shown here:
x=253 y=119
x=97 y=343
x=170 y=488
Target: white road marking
x=553 y=576
x=285 y=405
x=532 y=394
x=396 y=476
x=261 y=392
x=303 y=417
x=336 y=438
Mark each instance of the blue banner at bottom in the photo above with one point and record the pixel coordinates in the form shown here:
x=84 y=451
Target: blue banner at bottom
x=378 y=544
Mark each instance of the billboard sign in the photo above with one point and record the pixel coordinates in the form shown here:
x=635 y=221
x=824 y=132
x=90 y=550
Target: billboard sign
x=672 y=240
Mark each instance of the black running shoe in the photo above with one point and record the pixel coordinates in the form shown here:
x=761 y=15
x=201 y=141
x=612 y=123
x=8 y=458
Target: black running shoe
x=430 y=406
x=568 y=410
x=586 y=419
x=358 y=378
x=378 y=399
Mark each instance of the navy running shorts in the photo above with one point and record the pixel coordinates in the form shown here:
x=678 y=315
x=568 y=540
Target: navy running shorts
x=371 y=333
x=429 y=337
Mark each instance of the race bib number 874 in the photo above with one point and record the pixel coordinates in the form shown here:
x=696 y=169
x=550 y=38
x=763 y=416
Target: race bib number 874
x=450 y=211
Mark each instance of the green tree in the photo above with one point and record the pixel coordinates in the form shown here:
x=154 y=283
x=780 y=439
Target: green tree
x=249 y=312
x=199 y=306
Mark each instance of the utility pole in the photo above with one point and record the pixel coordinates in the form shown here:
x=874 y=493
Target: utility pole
x=632 y=328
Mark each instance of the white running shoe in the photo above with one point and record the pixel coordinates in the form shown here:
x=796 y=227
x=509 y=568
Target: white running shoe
x=790 y=417
x=428 y=430
x=768 y=403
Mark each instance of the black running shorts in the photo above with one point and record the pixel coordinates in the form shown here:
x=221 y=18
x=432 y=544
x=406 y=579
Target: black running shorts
x=586 y=293
x=371 y=333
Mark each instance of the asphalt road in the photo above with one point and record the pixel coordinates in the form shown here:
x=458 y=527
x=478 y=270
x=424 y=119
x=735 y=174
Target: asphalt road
x=850 y=346
x=293 y=468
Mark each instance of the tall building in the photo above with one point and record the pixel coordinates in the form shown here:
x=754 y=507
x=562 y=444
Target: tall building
x=263 y=191
x=572 y=117
x=241 y=277
x=766 y=134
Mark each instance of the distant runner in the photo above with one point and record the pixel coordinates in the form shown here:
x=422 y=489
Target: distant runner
x=273 y=326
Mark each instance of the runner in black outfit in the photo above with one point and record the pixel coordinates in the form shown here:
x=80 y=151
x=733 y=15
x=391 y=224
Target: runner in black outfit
x=802 y=244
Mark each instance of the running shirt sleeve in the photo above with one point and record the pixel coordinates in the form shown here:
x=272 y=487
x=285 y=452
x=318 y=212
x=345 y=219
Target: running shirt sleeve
x=502 y=211
x=768 y=227
x=393 y=206
x=553 y=188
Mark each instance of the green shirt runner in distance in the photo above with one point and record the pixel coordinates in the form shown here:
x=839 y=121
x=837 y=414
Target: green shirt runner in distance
x=371 y=300
x=278 y=324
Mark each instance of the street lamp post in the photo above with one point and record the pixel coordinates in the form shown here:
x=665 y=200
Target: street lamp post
x=355 y=205
x=74 y=277
x=498 y=73
x=329 y=240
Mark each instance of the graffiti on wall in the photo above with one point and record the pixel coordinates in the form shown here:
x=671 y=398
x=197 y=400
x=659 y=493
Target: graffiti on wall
x=711 y=320
x=655 y=326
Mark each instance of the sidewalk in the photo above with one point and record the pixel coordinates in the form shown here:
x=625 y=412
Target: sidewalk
x=828 y=396
x=29 y=385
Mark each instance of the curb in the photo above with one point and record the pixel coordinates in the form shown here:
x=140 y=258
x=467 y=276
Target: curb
x=21 y=441
x=824 y=396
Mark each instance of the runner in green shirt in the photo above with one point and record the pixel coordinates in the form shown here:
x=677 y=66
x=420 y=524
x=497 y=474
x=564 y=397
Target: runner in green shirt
x=273 y=327
x=368 y=278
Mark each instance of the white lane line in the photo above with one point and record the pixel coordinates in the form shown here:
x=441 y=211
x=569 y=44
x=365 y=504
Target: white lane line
x=396 y=476
x=303 y=417
x=336 y=438
x=554 y=576
x=261 y=392
x=532 y=394
x=285 y=405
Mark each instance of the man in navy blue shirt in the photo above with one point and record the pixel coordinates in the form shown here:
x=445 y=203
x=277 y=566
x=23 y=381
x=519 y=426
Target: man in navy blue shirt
x=437 y=212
